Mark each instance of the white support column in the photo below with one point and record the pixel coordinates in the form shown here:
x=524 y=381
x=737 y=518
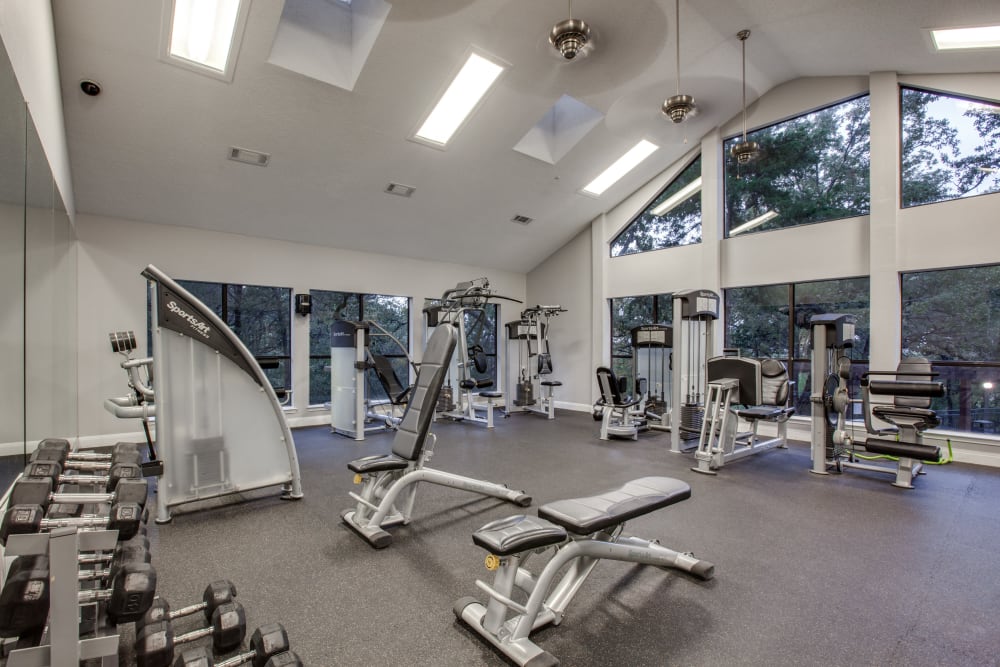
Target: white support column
x=883 y=221
x=712 y=225
x=601 y=321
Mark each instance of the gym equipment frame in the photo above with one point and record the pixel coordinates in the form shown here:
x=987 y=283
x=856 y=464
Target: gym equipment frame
x=912 y=389
x=220 y=428
x=695 y=313
x=532 y=390
x=388 y=482
x=620 y=415
x=652 y=352
x=580 y=532
x=761 y=386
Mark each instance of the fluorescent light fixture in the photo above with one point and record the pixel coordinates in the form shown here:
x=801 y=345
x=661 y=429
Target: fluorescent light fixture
x=679 y=197
x=756 y=222
x=463 y=95
x=621 y=166
x=981 y=37
x=989 y=170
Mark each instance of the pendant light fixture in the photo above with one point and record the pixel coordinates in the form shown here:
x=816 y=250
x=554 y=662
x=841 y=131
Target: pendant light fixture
x=744 y=151
x=571 y=36
x=678 y=107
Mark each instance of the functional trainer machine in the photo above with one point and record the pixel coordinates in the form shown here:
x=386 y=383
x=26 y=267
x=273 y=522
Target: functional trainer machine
x=531 y=362
x=459 y=395
x=695 y=313
x=579 y=533
x=911 y=390
x=388 y=482
x=652 y=352
x=352 y=411
x=762 y=387
x=220 y=428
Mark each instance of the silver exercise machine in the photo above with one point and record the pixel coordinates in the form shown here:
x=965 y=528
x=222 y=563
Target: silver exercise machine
x=140 y=403
x=910 y=390
x=739 y=388
x=220 y=428
x=578 y=533
x=388 y=482
x=694 y=315
x=619 y=412
x=652 y=360
x=353 y=412
x=531 y=363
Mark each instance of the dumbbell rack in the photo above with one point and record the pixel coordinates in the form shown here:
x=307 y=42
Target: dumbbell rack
x=65 y=647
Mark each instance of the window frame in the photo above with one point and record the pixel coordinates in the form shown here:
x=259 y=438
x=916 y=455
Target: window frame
x=657 y=318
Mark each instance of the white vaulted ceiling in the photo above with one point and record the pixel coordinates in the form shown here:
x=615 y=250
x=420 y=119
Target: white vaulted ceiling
x=153 y=146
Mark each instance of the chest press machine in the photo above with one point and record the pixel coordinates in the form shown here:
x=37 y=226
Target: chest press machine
x=532 y=363
x=762 y=387
x=388 y=481
x=911 y=390
x=579 y=532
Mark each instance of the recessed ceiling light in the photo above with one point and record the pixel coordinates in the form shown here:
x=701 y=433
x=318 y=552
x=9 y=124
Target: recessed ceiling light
x=756 y=222
x=464 y=93
x=204 y=35
x=678 y=197
x=620 y=167
x=980 y=37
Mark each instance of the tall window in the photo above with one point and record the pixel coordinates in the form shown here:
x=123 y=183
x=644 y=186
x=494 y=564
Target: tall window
x=673 y=218
x=390 y=312
x=950 y=146
x=628 y=312
x=811 y=168
x=772 y=321
x=952 y=317
x=260 y=316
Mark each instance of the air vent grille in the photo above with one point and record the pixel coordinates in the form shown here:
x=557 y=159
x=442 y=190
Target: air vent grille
x=400 y=189
x=247 y=156
x=521 y=219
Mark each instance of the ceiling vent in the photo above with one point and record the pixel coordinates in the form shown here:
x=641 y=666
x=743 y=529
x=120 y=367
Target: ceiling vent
x=248 y=156
x=400 y=189
x=521 y=219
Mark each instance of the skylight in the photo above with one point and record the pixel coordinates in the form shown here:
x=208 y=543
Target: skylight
x=466 y=90
x=981 y=37
x=204 y=35
x=621 y=166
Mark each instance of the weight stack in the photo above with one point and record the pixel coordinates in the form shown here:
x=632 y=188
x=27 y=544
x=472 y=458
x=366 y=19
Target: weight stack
x=524 y=394
x=691 y=419
x=445 y=402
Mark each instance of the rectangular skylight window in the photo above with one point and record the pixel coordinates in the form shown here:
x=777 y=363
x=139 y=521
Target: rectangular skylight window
x=466 y=90
x=981 y=37
x=621 y=166
x=678 y=197
x=203 y=35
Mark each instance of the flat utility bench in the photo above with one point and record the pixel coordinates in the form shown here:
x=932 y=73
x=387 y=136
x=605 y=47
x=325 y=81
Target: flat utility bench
x=581 y=531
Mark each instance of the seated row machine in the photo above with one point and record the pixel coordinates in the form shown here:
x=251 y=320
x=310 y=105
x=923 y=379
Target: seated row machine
x=619 y=412
x=388 y=482
x=762 y=387
x=579 y=532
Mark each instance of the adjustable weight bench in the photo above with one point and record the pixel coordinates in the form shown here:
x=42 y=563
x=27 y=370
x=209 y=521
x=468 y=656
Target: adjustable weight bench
x=388 y=482
x=580 y=531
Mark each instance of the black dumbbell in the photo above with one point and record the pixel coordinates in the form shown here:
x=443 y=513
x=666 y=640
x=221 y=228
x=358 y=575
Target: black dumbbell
x=53 y=470
x=216 y=594
x=114 y=562
x=126 y=518
x=39 y=491
x=24 y=600
x=61 y=452
x=154 y=644
x=268 y=648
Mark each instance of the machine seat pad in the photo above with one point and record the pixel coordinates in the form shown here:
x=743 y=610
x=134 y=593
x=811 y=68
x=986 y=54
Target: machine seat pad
x=584 y=516
x=918 y=388
x=378 y=463
x=890 y=413
x=765 y=412
x=910 y=450
x=551 y=383
x=515 y=534
x=491 y=394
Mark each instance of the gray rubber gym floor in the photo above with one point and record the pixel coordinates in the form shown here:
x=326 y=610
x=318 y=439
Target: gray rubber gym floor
x=838 y=570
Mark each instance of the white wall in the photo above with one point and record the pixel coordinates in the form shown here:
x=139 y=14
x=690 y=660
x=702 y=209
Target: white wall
x=890 y=240
x=565 y=279
x=112 y=294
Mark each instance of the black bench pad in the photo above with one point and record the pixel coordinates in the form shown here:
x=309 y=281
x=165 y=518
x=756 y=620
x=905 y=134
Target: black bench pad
x=516 y=534
x=768 y=412
x=378 y=463
x=551 y=383
x=910 y=450
x=891 y=412
x=584 y=516
x=491 y=394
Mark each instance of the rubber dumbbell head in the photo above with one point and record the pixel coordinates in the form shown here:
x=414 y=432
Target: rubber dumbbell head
x=126 y=518
x=155 y=643
x=54 y=471
x=268 y=648
x=216 y=594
